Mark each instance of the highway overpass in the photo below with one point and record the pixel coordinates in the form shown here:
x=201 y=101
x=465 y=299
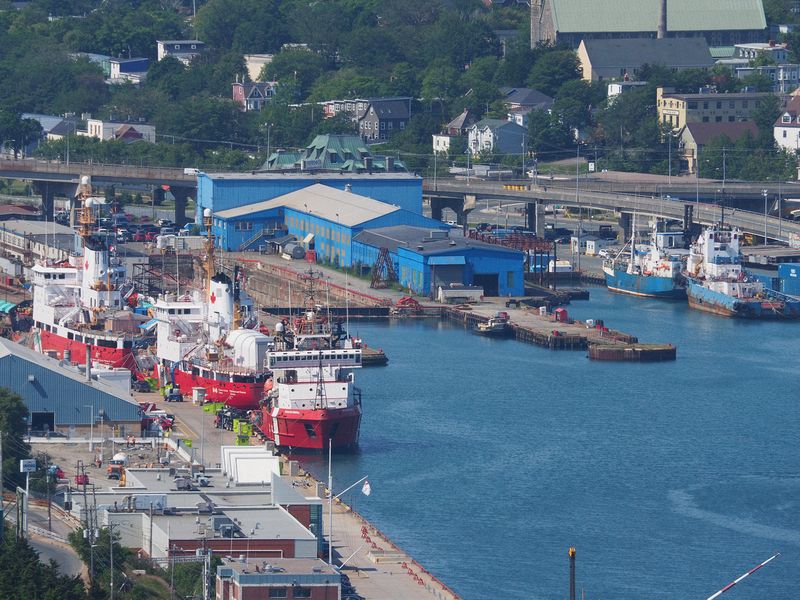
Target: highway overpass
x=54 y=178
x=463 y=197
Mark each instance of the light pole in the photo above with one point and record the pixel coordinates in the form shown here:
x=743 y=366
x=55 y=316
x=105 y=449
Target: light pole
x=91 y=427
x=764 y=193
x=269 y=130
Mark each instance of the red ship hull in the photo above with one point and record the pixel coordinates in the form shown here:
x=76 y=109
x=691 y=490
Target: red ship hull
x=113 y=357
x=311 y=429
x=244 y=396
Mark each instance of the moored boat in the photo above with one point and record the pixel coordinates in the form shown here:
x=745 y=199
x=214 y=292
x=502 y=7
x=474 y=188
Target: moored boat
x=314 y=401
x=82 y=305
x=495 y=326
x=210 y=338
x=716 y=282
x=651 y=271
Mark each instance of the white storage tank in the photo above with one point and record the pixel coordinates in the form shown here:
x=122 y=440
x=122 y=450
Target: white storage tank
x=249 y=347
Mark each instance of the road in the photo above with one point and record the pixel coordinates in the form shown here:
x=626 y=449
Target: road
x=667 y=207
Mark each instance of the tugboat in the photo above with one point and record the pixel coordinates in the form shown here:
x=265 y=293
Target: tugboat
x=718 y=284
x=496 y=326
x=652 y=273
x=210 y=339
x=314 y=399
x=81 y=306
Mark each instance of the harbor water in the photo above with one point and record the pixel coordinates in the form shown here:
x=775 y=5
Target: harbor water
x=489 y=458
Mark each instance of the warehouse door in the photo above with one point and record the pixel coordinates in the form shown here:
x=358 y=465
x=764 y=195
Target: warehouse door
x=43 y=421
x=489 y=283
x=444 y=275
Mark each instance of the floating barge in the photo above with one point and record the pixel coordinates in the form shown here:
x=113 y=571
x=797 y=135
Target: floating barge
x=633 y=352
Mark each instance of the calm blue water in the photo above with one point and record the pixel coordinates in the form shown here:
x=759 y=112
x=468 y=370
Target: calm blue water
x=489 y=458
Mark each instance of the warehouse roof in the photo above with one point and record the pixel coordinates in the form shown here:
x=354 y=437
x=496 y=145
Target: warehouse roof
x=263 y=522
x=334 y=205
x=37 y=227
x=642 y=15
x=690 y=52
x=57 y=390
x=432 y=241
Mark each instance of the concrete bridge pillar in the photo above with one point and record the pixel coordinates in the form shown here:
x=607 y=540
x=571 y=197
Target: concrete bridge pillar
x=437 y=204
x=534 y=221
x=181 y=196
x=625 y=226
x=47 y=191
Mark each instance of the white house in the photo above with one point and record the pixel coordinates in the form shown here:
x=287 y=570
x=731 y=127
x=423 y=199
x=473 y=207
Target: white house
x=109 y=130
x=787 y=128
x=183 y=50
x=496 y=135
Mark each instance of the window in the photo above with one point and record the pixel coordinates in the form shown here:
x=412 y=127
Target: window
x=784 y=135
x=692 y=105
x=194 y=47
x=731 y=119
x=705 y=105
x=402 y=124
x=731 y=104
x=301 y=592
x=383 y=124
x=277 y=592
x=719 y=104
x=718 y=119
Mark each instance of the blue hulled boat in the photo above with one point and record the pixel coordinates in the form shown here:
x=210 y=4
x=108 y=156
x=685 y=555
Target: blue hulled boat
x=652 y=271
x=716 y=282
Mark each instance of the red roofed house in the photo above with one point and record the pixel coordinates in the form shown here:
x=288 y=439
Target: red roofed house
x=694 y=136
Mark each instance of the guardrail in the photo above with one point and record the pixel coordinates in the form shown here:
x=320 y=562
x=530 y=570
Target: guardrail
x=55 y=167
x=665 y=207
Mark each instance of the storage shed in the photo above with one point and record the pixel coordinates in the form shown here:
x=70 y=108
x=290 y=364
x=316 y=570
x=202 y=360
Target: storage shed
x=426 y=259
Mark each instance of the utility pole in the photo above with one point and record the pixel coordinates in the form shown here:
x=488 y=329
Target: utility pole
x=111 y=558
x=330 y=503
x=49 y=497
x=578 y=200
x=2 y=508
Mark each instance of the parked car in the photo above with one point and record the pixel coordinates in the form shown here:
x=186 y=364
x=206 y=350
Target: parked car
x=165 y=223
x=150 y=236
x=604 y=253
x=140 y=385
x=140 y=236
x=123 y=235
x=167 y=231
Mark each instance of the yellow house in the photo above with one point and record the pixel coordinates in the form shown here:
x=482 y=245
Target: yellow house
x=676 y=110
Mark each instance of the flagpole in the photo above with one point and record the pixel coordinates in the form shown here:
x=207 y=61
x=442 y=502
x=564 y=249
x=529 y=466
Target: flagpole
x=330 y=503
x=351 y=487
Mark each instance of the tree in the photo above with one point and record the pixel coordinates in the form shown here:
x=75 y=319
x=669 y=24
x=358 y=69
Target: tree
x=756 y=81
x=548 y=136
x=301 y=66
x=241 y=25
x=17 y=132
x=575 y=100
x=552 y=69
x=13 y=425
x=22 y=575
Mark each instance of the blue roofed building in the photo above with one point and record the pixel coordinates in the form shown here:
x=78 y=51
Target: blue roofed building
x=426 y=259
x=224 y=191
x=324 y=218
x=59 y=396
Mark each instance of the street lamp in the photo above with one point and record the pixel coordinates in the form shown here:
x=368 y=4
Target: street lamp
x=764 y=193
x=91 y=426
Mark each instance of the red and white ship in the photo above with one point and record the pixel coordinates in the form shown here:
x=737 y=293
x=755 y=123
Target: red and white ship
x=314 y=398
x=208 y=339
x=82 y=302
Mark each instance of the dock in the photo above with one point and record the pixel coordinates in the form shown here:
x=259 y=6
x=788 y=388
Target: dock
x=556 y=331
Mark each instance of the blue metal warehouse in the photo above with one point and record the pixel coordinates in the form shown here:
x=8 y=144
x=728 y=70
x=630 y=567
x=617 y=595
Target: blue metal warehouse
x=324 y=218
x=426 y=259
x=59 y=396
x=224 y=191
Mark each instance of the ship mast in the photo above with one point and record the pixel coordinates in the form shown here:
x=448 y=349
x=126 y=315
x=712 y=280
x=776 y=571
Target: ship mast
x=208 y=260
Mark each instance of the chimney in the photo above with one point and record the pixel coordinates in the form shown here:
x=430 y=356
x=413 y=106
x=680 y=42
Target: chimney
x=662 y=21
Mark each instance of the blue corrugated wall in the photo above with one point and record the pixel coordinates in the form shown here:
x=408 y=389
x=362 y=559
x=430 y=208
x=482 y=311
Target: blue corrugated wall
x=69 y=399
x=222 y=194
